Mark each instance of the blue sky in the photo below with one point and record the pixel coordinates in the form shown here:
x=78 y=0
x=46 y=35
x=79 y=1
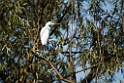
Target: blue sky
x=118 y=74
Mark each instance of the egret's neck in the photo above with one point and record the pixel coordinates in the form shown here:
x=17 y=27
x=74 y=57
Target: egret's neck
x=48 y=27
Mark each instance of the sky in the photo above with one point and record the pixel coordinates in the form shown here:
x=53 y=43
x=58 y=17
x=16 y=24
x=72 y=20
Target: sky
x=118 y=74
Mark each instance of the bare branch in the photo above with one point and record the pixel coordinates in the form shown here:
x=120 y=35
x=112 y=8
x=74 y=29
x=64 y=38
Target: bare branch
x=47 y=60
x=89 y=67
x=102 y=22
x=65 y=11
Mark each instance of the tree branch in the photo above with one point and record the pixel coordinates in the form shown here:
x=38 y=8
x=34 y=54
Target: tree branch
x=91 y=75
x=50 y=63
x=102 y=22
x=72 y=52
x=65 y=11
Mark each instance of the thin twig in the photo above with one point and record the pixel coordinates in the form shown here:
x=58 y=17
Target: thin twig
x=65 y=12
x=102 y=22
x=50 y=63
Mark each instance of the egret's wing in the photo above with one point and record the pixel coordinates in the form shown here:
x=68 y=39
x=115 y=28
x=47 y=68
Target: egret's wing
x=41 y=32
x=44 y=34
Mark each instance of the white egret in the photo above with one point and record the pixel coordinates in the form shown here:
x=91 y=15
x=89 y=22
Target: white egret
x=45 y=31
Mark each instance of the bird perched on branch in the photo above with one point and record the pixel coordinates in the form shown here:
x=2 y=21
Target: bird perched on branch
x=45 y=32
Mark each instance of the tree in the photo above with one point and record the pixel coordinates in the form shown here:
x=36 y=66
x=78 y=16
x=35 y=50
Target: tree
x=94 y=43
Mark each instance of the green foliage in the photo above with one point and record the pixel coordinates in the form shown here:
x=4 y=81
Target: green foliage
x=94 y=42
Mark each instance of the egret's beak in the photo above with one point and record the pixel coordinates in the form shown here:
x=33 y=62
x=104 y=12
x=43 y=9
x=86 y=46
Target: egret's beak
x=58 y=24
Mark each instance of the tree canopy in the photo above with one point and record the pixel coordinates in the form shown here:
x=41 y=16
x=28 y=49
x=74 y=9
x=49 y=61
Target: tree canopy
x=90 y=37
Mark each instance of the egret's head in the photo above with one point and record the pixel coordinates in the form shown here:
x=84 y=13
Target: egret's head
x=51 y=23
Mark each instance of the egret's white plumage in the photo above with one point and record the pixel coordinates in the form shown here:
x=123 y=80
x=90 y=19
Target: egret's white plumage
x=44 y=33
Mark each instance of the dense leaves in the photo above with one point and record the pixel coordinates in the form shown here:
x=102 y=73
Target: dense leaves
x=90 y=37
